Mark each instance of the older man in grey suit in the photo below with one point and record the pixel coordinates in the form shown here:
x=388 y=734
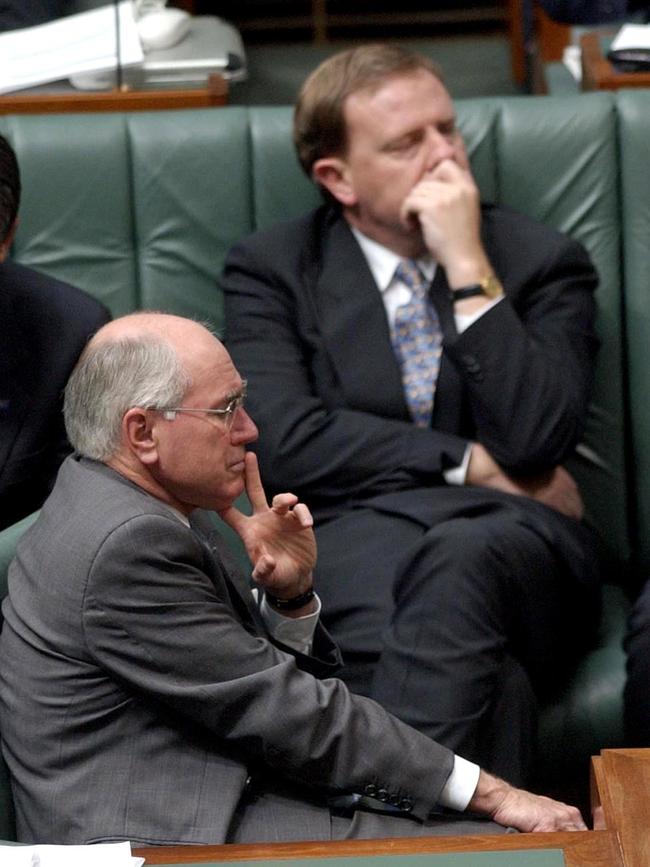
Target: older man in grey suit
x=145 y=693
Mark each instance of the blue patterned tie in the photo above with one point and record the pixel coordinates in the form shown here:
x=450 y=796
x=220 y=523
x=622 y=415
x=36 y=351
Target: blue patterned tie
x=417 y=340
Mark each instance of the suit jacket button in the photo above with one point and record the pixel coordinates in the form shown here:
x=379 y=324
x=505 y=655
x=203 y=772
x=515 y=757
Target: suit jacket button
x=370 y=790
x=382 y=795
x=470 y=362
x=406 y=804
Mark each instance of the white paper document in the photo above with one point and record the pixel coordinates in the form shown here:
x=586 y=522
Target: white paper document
x=86 y=42
x=95 y=855
x=632 y=36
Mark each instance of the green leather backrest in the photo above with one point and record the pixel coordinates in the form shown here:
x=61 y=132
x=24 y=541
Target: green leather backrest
x=141 y=209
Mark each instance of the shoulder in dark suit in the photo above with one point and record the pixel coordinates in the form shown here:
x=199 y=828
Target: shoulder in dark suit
x=46 y=324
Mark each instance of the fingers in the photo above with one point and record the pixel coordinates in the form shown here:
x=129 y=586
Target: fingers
x=304 y=516
x=282 y=505
x=234 y=518
x=254 y=488
x=263 y=568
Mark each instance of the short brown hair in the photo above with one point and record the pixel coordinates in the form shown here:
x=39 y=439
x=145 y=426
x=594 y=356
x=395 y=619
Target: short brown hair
x=318 y=121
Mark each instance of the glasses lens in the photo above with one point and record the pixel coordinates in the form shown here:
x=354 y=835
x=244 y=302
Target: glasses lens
x=232 y=408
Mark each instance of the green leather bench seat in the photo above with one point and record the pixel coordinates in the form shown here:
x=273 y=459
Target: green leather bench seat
x=141 y=209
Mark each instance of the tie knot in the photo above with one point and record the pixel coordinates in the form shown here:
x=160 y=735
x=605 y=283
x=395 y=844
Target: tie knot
x=408 y=271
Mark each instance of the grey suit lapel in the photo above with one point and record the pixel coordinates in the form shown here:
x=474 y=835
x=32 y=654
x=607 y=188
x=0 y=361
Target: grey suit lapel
x=225 y=573
x=354 y=326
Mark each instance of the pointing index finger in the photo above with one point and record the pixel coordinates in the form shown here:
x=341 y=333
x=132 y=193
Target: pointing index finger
x=254 y=488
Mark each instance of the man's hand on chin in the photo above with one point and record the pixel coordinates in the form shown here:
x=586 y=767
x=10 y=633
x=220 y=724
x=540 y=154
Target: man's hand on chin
x=555 y=488
x=516 y=808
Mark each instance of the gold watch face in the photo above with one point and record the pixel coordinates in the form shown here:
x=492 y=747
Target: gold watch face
x=492 y=286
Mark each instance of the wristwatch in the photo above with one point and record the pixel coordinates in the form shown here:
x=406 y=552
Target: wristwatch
x=489 y=286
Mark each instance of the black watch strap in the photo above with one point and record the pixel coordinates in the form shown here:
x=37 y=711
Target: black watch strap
x=467 y=292
x=292 y=604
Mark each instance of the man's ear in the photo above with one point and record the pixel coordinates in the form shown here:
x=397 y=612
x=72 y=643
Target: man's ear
x=8 y=241
x=332 y=173
x=139 y=434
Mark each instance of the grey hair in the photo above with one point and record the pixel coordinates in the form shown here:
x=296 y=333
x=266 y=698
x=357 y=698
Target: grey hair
x=110 y=378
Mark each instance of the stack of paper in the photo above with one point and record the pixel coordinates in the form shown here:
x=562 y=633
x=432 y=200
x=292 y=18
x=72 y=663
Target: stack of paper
x=82 y=43
x=96 y=855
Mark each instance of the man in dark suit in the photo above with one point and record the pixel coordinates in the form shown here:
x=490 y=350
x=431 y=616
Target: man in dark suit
x=144 y=693
x=421 y=367
x=16 y=13
x=593 y=11
x=45 y=325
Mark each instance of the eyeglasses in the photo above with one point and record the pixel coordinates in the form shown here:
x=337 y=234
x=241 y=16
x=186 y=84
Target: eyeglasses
x=227 y=413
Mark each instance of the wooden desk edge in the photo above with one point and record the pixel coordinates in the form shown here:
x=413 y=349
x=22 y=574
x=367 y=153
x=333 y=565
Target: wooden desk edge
x=599 y=74
x=213 y=95
x=581 y=848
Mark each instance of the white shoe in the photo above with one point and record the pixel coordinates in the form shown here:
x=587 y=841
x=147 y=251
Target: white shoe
x=145 y=7
x=160 y=27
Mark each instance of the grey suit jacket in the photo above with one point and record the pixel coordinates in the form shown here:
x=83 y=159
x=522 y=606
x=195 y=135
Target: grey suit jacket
x=139 y=694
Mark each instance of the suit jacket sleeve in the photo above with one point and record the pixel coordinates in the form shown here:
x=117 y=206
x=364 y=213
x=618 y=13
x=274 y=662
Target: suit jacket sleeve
x=527 y=364
x=167 y=632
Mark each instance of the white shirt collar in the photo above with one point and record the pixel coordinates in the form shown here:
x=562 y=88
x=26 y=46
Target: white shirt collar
x=383 y=262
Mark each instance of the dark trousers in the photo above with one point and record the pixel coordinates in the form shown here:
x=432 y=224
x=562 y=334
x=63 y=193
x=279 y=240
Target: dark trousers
x=455 y=624
x=637 y=687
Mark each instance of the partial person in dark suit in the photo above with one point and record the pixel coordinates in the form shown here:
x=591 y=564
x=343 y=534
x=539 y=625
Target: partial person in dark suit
x=45 y=325
x=27 y=13
x=593 y=11
x=144 y=693
x=455 y=572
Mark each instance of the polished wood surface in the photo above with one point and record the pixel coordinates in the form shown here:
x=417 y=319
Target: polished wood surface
x=581 y=848
x=213 y=95
x=599 y=74
x=545 y=44
x=621 y=792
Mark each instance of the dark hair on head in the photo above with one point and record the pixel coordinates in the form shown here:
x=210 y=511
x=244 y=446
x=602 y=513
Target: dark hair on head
x=318 y=120
x=9 y=188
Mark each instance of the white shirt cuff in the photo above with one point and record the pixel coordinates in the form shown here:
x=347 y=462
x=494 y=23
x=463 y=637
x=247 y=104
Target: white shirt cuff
x=294 y=632
x=463 y=321
x=461 y=785
x=457 y=475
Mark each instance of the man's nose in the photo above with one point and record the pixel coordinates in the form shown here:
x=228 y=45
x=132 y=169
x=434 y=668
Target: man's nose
x=244 y=429
x=439 y=147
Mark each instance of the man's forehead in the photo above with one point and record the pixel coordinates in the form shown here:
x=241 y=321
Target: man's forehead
x=394 y=95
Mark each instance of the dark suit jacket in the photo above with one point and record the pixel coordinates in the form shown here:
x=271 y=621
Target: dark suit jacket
x=306 y=324
x=45 y=325
x=139 y=691
x=588 y=11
